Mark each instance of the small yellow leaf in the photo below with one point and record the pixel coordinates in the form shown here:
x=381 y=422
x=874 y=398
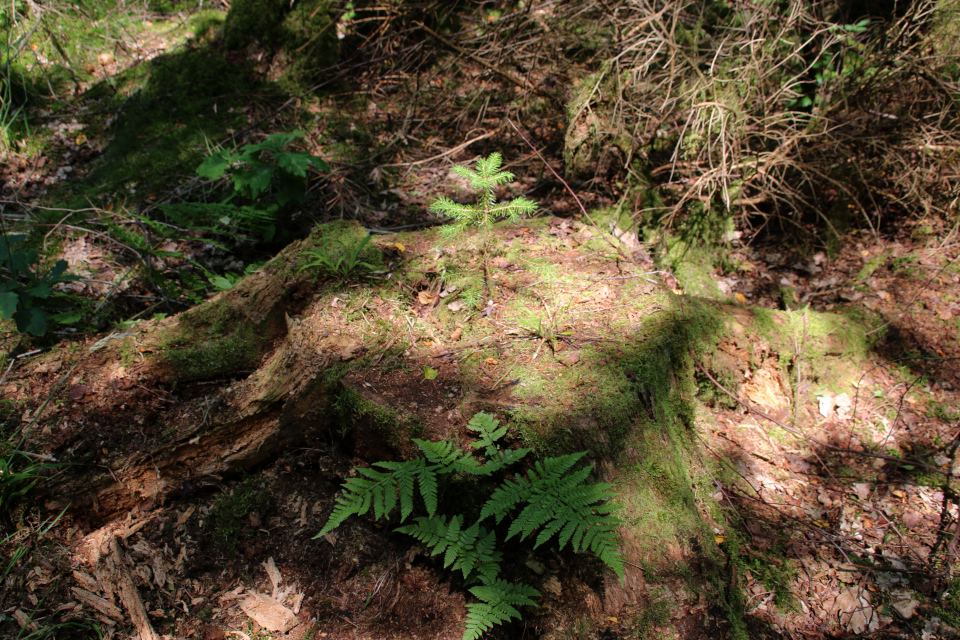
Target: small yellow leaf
x=425 y=297
x=536 y=247
x=400 y=247
x=492 y=361
x=742 y=299
x=719 y=539
x=612 y=620
x=429 y=373
x=81 y=139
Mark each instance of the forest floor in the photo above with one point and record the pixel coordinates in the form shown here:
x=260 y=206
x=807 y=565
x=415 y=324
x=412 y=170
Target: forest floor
x=826 y=534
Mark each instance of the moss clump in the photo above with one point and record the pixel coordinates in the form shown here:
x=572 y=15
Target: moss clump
x=356 y=413
x=212 y=339
x=229 y=515
x=337 y=241
x=218 y=356
x=302 y=33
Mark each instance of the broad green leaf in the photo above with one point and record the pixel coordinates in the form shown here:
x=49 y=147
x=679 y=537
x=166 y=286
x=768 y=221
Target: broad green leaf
x=8 y=304
x=41 y=291
x=31 y=320
x=295 y=163
x=429 y=373
x=221 y=283
x=215 y=165
x=253 y=182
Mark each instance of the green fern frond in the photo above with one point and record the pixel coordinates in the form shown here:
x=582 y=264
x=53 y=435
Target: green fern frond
x=467 y=550
x=559 y=504
x=486 y=426
x=499 y=602
x=442 y=452
x=499 y=460
x=380 y=490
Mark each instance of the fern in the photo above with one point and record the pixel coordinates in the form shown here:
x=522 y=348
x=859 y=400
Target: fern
x=553 y=501
x=500 y=600
x=558 y=503
x=489 y=433
x=500 y=460
x=468 y=550
x=379 y=490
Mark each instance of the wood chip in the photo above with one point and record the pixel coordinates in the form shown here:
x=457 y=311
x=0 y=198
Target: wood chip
x=96 y=602
x=273 y=574
x=269 y=613
x=186 y=515
x=87 y=581
x=118 y=570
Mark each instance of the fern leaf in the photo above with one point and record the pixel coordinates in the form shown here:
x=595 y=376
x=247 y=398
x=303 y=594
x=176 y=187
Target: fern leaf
x=486 y=426
x=558 y=503
x=499 y=602
x=499 y=460
x=377 y=490
x=466 y=550
x=442 y=452
x=427 y=479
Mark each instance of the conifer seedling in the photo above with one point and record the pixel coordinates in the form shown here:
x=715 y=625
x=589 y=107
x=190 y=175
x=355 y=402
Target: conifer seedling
x=487 y=210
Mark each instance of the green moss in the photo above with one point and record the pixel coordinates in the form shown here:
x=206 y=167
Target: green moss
x=229 y=515
x=303 y=33
x=949 y=612
x=693 y=266
x=217 y=356
x=353 y=410
x=336 y=240
x=170 y=110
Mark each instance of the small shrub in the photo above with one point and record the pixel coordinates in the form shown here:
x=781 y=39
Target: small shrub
x=27 y=293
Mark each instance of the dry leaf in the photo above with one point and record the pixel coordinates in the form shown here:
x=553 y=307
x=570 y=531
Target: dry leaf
x=492 y=361
x=455 y=306
x=426 y=298
x=742 y=299
x=455 y=336
x=349 y=350
x=855 y=611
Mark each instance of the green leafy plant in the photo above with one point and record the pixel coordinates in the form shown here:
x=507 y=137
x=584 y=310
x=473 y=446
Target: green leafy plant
x=19 y=474
x=265 y=166
x=552 y=498
x=486 y=211
x=27 y=292
x=341 y=264
x=544 y=327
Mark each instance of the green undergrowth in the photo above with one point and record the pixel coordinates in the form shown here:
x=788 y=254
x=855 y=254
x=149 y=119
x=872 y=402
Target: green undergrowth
x=230 y=514
x=168 y=112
